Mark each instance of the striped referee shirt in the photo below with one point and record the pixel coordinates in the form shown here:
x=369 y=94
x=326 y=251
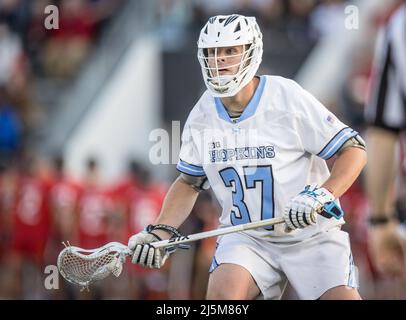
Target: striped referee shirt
x=386 y=107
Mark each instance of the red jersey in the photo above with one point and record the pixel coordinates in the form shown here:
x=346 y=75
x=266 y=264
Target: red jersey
x=143 y=207
x=78 y=24
x=31 y=218
x=93 y=206
x=63 y=201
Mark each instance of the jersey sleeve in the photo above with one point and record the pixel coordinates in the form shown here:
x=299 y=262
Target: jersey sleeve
x=189 y=158
x=320 y=131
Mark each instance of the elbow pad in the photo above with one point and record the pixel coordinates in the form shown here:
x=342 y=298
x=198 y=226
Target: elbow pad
x=354 y=142
x=198 y=183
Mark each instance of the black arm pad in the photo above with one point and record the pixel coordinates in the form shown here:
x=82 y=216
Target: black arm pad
x=198 y=183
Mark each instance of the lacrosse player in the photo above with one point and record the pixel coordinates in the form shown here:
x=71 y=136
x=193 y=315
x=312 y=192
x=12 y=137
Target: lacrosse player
x=386 y=115
x=260 y=142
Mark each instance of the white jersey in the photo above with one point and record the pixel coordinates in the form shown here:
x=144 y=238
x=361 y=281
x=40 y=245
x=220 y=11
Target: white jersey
x=257 y=163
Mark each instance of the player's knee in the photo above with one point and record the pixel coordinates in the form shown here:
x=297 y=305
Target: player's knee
x=222 y=294
x=221 y=291
x=231 y=282
x=218 y=290
x=341 y=293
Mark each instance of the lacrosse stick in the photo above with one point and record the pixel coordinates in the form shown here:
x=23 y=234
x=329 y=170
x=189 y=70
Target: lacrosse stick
x=82 y=267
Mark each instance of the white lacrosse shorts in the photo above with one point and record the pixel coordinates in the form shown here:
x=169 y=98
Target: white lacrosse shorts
x=312 y=266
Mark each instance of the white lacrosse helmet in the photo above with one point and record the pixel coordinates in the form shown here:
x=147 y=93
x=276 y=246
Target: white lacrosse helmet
x=229 y=31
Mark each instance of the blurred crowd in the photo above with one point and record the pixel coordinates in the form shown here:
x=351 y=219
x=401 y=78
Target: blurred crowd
x=308 y=18
x=41 y=206
x=302 y=21
x=30 y=51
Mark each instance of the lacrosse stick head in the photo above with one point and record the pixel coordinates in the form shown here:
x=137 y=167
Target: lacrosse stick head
x=82 y=267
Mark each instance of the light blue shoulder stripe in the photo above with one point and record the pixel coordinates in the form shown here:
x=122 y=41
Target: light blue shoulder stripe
x=190 y=168
x=336 y=143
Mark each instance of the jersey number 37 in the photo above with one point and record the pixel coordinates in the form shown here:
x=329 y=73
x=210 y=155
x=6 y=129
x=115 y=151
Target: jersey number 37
x=254 y=177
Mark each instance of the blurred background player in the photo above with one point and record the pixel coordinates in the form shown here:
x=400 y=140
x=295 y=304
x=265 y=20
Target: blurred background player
x=386 y=116
x=137 y=200
x=8 y=191
x=30 y=225
x=93 y=208
x=63 y=198
x=92 y=215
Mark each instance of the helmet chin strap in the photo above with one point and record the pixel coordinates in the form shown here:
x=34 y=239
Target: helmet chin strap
x=223 y=80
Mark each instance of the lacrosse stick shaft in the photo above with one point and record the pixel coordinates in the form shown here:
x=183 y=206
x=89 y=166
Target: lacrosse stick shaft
x=223 y=231
x=218 y=232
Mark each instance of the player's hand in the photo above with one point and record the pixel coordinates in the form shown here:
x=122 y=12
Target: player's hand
x=387 y=249
x=144 y=253
x=302 y=209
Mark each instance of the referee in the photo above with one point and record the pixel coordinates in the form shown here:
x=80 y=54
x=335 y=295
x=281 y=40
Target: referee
x=385 y=115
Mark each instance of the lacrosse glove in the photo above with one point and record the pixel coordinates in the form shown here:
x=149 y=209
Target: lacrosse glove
x=145 y=254
x=302 y=209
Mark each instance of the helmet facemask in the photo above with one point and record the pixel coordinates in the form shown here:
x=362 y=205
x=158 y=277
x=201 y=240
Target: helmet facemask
x=225 y=82
x=227 y=32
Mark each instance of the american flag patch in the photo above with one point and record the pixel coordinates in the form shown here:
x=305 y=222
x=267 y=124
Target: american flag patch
x=330 y=119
